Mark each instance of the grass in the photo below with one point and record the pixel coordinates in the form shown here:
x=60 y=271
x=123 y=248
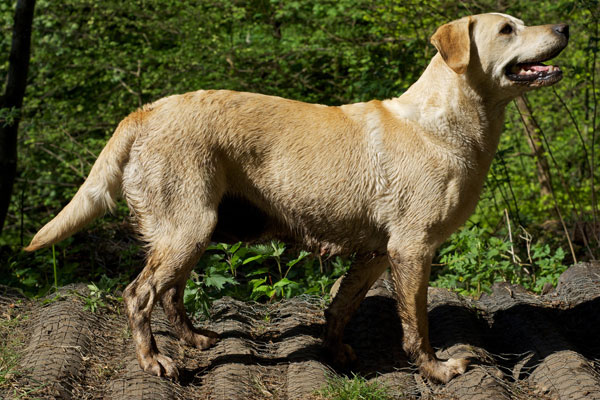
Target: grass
x=353 y=388
x=11 y=341
x=15 y=383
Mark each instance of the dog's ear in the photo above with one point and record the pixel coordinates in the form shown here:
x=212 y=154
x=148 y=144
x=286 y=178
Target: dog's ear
x=453 y=41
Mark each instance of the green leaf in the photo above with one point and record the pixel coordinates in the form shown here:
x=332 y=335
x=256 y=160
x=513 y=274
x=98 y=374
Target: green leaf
x=218 y=281
x=258 y=271
x=303 y=254
x=283 y=282
x=235 y=248
x=248 y=260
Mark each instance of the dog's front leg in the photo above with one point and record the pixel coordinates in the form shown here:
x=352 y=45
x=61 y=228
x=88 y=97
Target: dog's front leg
x=411 y=266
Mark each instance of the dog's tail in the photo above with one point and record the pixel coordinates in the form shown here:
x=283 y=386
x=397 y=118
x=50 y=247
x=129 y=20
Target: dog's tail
x=99 y=191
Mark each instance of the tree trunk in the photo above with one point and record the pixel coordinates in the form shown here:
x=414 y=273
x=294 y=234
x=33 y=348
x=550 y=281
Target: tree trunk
x=535 y=144
x=12 y=101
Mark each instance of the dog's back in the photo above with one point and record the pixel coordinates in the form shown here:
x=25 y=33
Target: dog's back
x=273 y=161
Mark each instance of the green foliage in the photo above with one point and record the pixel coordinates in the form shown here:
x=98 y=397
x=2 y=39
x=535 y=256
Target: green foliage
x=473 y=260
x=8 y=116
x=356 y=387
x=33 y=273
x=94 y=62
x=548 y=266
x=102 y=293
x=263 y=272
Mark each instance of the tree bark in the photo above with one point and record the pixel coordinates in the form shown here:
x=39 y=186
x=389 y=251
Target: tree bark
x=12 y=100
x=535 y=144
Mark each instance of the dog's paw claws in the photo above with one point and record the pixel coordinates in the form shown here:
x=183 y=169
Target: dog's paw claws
x=161 y=365
x=444 y=371
x=456 y=366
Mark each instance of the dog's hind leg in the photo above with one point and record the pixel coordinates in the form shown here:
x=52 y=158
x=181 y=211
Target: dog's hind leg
x=352 y=290
x=173 y=253
x=410 y=267
x=172 y=302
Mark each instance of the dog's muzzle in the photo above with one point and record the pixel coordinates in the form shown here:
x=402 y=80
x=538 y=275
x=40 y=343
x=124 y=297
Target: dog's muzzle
x=535 y=72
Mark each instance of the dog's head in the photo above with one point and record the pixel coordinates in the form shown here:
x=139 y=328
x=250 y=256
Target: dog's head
x=499 y=52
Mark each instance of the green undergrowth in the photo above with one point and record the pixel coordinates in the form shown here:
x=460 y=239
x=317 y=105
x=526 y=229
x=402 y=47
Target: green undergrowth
x=318 y=51
x=470 y=262
x=263 y=273
x=353 y=388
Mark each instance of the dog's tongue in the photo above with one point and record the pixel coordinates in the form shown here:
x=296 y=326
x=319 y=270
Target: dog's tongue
x=528 y=69
x=538 y=67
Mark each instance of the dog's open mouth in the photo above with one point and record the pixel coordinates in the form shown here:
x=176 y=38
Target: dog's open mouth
x=534 y=73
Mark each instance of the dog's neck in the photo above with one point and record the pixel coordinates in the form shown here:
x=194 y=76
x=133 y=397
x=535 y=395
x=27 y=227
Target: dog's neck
x=445 y=106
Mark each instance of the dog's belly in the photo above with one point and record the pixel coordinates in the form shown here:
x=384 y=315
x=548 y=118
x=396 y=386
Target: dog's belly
x=242 y=220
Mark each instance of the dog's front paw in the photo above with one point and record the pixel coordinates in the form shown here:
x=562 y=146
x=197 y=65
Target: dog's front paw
x=160 y=365
x=444 y=371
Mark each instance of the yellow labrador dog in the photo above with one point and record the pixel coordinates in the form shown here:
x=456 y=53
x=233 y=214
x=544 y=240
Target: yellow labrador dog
x=388 y=180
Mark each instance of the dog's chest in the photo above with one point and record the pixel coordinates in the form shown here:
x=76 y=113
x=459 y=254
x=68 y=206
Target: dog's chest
x=433 y=195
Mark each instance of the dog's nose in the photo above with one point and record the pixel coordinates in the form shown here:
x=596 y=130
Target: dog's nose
x=561 y=29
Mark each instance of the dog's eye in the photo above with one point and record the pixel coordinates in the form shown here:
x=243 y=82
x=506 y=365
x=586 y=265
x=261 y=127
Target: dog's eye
x=506 y=29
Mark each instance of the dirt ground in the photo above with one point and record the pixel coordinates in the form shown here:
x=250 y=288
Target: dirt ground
x=522 y=346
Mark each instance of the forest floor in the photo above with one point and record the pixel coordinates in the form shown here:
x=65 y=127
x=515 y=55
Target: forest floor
x=521 y=345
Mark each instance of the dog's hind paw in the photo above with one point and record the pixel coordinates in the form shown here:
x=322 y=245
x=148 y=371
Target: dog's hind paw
x=444 y=371
x=343 y=355
x=160 y=365
x=203 y=339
